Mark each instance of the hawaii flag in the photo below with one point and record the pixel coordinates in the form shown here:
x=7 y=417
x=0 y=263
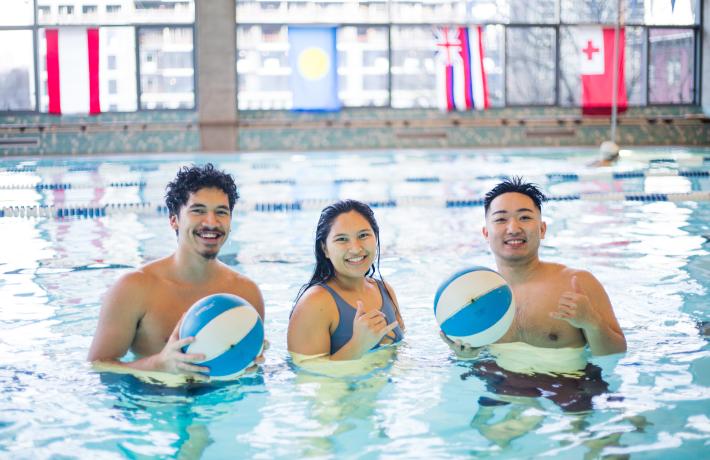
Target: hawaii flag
x=461 y=76
x=595 y=46
x=73 y=70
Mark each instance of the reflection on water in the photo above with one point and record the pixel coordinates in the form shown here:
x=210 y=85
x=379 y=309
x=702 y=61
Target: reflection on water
x=419 y=402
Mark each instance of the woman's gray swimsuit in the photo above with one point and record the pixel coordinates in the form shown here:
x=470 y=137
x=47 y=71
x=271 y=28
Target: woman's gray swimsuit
x=344 y=332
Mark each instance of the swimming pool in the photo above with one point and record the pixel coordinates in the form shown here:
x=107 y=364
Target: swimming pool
x=71 y=226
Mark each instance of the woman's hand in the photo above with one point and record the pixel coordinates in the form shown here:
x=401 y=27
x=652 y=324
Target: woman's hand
x=369 y=327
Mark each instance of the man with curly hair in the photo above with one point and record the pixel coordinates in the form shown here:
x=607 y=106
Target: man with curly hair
x=143 y=310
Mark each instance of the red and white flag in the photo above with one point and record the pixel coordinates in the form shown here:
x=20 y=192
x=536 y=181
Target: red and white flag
x=461 y=76
x=447 y=67
x=595 y=46
x=73 y=70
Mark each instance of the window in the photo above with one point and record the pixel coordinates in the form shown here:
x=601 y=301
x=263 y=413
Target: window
x=118 y=55
x=16 y=13
x=66 y=10
x=413 y=67
x=634 y=67
x=117 y=82
x=438 y=12
x=263 y=70
x=530 y=70
x=363 y=66
x=589 y=11
x=167 y=72
x=17 y=83
x=312 y=12
x=679 y=12
x=107 y=12
x=671 y=66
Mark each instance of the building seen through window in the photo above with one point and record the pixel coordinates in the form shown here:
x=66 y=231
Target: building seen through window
x=388 y=52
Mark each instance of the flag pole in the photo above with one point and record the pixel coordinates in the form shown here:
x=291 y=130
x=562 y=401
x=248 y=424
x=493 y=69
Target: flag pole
x=609 y=150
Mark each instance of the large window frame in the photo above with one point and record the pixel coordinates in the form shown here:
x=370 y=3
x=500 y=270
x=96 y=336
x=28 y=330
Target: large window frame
x=697 y=58
x=37 y=26
x=556 y=24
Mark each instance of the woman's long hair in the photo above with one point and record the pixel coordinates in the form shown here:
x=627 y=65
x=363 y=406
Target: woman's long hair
x=324 y=270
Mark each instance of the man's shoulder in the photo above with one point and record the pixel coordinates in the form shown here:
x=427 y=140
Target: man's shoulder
x=564 y=275
x=562 y=270
x=140 y=281
x=236 y=279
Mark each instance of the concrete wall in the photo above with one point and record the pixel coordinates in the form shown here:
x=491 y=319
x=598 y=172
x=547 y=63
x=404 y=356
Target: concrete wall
x=216 y=74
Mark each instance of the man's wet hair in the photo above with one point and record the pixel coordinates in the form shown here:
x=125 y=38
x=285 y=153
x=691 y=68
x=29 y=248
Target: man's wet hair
x=515 y=184
x=190 y=179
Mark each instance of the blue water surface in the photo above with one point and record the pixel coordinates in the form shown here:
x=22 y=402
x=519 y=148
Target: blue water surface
x=418 y=401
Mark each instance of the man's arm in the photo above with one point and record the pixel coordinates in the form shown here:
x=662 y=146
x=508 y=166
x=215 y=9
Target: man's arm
x=122 y=309
x=587 y=306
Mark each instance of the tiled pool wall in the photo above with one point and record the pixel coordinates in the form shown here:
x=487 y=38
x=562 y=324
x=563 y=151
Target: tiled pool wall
x=179 y=131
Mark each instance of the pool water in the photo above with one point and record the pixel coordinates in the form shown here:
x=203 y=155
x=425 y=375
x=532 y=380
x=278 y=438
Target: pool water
x=411 y=401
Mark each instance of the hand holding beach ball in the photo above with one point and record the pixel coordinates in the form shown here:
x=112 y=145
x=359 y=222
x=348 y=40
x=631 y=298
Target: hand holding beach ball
x=227 y=330
x=474 y=306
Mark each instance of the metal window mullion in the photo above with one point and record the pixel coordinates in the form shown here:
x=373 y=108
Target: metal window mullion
x=648 y=66
x=35 y=48
x=699 y=54
x=139 y=90
x=697 y=74
x=195 y=81
x=558 y=69
x=389 y=66
x=505 y=66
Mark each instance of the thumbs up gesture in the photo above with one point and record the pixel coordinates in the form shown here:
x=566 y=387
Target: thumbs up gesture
x=369 y=327
x=575 y=308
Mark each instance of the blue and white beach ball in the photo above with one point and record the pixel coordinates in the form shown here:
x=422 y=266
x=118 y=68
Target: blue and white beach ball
x=228 y=330
x=474 y=305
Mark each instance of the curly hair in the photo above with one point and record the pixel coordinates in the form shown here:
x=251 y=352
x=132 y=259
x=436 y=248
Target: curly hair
x=193 y=178
x=515 y=184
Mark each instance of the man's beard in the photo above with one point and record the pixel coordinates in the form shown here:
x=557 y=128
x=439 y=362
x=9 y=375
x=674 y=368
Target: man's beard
x=209 y=255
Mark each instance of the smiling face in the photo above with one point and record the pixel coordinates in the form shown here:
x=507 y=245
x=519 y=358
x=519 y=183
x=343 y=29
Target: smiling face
x=514 y=227
x=203 y=222
x=351 y=245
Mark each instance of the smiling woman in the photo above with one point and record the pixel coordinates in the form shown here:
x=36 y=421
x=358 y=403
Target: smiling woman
x=344 y=311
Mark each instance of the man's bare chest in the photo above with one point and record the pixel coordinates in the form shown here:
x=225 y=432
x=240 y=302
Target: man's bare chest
x=533 y=325
x=164 y=308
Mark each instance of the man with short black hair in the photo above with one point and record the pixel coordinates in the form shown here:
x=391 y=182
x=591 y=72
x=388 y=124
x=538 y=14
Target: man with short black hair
x=556 y=306
x=143 y=310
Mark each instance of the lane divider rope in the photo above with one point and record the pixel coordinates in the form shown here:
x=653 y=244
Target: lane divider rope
x=147 y=208
x=550 y=177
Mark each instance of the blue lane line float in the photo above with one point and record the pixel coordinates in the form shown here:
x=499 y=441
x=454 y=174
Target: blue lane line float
x=317 y=204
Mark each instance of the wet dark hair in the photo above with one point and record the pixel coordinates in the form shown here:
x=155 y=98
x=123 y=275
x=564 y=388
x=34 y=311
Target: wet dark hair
x=193 y=178
x=515 y=184
x=324 y=270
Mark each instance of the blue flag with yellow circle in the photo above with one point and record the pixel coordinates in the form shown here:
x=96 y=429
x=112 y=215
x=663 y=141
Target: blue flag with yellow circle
x=313 y=59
